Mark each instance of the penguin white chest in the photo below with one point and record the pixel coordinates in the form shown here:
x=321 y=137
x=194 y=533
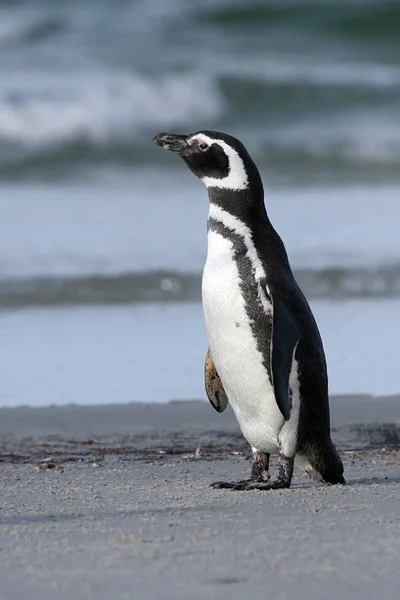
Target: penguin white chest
x=234 y=348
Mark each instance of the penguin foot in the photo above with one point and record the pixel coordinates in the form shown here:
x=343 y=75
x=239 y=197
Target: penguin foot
x=259 y=470
x=282 y=481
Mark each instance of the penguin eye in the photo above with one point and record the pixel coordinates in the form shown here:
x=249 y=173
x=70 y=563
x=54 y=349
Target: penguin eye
x=203 y=146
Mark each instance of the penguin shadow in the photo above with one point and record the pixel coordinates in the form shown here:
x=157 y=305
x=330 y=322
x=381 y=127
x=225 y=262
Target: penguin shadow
x=350 y=481
x=384 y=480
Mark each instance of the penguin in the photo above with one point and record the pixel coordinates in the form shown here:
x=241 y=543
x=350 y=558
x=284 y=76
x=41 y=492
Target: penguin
x=265 y=356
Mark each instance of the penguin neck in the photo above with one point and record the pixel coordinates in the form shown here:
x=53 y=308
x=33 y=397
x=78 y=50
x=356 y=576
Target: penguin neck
x=245 y=205
x=242 y=213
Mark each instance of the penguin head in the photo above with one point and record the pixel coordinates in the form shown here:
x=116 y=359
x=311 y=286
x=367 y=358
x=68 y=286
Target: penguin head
x=218 y=159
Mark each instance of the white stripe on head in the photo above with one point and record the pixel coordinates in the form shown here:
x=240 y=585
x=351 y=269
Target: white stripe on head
x=237 y=178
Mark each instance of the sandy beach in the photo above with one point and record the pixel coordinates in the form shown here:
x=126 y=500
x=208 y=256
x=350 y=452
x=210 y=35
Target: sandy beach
x=114 y=502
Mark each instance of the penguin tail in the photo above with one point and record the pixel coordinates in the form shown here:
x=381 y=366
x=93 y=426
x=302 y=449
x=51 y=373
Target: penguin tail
x=321 y=461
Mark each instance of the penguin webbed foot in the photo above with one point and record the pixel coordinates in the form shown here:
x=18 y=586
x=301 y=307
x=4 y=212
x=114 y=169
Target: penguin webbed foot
x=245 y=484
x=282 y=481
x=250 y=484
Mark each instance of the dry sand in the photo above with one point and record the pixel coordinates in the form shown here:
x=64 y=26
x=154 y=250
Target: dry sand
x=113 y=502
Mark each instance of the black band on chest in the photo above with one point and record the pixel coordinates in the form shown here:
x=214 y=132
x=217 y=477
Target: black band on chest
x=261 y=322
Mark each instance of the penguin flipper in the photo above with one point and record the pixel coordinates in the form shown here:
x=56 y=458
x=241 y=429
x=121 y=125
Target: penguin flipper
x=214 y=388
x=285 y=336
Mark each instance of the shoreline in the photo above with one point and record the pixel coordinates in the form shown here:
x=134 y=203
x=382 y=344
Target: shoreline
x=357 y=422
x=71 y=432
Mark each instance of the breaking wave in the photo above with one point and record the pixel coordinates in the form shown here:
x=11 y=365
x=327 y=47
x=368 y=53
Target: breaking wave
x=86 y=85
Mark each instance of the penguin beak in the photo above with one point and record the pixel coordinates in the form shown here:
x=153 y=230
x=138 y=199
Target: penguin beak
x=171 y=141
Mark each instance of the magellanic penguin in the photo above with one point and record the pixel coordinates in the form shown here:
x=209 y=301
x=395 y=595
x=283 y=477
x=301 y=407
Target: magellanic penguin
x=265 y=355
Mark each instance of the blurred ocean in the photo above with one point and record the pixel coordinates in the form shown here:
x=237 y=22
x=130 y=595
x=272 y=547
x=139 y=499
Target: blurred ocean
x=92 y=213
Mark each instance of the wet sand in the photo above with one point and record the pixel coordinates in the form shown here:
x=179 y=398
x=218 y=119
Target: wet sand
x=113 y=502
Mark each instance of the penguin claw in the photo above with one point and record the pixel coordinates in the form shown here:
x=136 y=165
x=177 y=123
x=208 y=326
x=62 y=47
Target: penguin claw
x=279 y=484
x=222 y=485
